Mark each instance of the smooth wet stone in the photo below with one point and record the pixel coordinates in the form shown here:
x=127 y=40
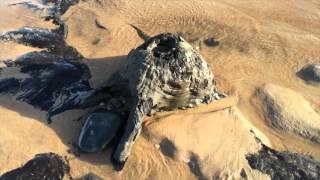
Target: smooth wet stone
x=98 y=131
x=47 y=166
x=284 y=165
x=310 y=73
x=164 y=73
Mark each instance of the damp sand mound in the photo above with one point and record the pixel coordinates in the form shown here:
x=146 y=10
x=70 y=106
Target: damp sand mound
x=289 y=111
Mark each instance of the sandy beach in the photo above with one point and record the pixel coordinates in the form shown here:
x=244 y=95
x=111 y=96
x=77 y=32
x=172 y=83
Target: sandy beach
x=262 y=45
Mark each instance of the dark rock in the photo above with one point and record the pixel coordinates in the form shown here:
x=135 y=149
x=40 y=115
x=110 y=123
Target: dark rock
x=243 y=174
x=48 y=166
x=310 y=73
x=284 y=165
x=49 y=9
x=52 y=40
x=99 y=130
x=90 y=176
x=211 y=42
x=164 y=73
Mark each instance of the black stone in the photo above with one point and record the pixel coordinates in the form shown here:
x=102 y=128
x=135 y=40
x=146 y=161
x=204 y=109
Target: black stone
x=310 y=73
x=47 y=166
x=284 y=165
x=211 y=42
x=99 y=130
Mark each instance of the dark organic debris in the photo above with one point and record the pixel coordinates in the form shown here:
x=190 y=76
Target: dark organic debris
x=34 y=58
x=30 y=5
x=51 y=10
x=35 y=37
x=72 y=96
x=164 y=73
x=51 y=78
x=284 y=165
x=310 y=73
x=9 y=85
x=99 y=130
x=58 y=78
x=51 y=7
x=60 y=6
x=47 y=166
x=52 y=40
x=113 y=95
